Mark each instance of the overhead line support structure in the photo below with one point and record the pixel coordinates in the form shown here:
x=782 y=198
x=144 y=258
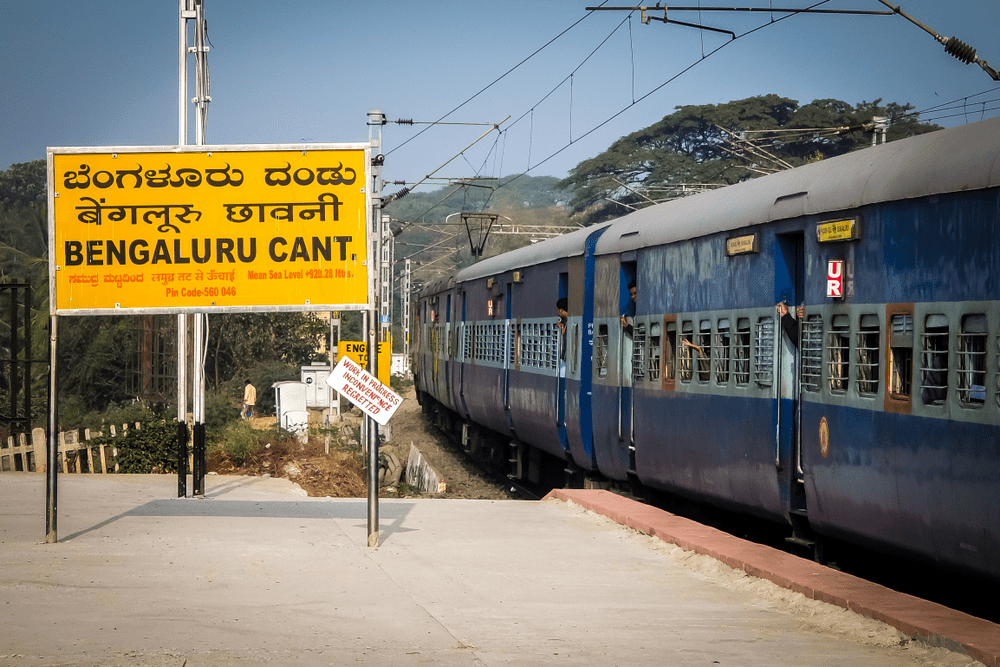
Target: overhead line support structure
x=953 y=46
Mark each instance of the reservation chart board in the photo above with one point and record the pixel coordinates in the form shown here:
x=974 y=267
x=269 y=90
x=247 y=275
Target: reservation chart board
x=208 y=228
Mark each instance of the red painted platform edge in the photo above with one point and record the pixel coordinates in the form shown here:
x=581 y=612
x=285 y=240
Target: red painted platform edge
x=912 y=616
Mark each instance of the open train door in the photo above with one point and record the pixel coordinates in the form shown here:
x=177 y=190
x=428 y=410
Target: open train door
x=789 y=287
x=629 y=330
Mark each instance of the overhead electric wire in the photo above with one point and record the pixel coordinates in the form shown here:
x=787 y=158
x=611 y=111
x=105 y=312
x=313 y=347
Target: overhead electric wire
x=662 y=85
x=497 y=80
x=944 y=108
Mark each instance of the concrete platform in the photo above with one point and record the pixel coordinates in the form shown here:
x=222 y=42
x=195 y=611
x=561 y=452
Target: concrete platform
x=925 y=621
x=257 y=574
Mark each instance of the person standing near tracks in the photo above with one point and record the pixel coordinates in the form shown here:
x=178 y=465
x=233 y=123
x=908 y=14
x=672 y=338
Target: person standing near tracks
x=249 y=400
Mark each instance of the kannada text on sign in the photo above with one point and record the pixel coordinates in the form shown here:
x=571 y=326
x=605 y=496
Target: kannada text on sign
x=209 y=228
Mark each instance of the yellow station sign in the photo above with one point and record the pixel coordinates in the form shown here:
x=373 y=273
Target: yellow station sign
x=208 y=228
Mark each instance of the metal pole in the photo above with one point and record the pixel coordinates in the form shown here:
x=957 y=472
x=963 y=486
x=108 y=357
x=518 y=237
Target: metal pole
x=198 y=390
x=376 y=119
x=182 y=108
x=334 y=343
x=182 y=140
x=404 y=293
x=202 y=97
x=28 y=300
x=52 y=453
x=198 y=363
x=182 y=432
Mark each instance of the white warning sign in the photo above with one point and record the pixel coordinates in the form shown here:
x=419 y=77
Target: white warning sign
x=374 y=398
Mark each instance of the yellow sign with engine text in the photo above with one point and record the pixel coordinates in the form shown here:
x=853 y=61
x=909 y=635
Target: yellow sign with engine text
x=208 y=228
x=358 y=351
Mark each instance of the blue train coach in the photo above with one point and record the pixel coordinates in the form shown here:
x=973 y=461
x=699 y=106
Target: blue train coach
x=871 y=417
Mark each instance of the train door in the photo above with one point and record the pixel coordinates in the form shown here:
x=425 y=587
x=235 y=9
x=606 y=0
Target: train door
x=508 y=357
x=464 y=358
x=563 y=335
x=789 y=281
x=435 y=348
x=446 y=349
x=627 y=303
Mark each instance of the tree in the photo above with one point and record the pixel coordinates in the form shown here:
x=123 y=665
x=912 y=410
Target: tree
x=239 y=342
x=721 y=144
x=23 y=259
x=98 y=354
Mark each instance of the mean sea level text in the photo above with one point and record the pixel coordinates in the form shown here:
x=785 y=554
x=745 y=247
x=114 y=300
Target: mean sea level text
x=314 y=274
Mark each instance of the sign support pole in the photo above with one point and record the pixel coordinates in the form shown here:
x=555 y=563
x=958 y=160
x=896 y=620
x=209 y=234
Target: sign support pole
x=376 y=119
x=52 y=450
x=182 y=140
x=201 y=100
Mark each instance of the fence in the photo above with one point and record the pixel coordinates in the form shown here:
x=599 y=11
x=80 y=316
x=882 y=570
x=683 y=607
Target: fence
x=74 y=455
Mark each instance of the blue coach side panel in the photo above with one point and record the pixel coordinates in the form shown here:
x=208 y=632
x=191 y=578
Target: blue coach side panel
x=903 y=449
x=881 y=425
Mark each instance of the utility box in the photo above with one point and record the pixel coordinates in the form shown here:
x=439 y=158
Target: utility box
x=290 y=404
x=318 y=391
x=399 y=365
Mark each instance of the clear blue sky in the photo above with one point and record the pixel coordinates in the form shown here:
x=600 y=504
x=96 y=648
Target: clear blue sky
x=104 y=73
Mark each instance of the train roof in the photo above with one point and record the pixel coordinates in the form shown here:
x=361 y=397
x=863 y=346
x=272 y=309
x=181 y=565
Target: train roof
x=567 y=245
x=437 y=285
x=952 y=160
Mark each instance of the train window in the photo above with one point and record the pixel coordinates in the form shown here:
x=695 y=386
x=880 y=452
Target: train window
x=536 y=348
x=901 y=355
x=934 y=360
x=669 y=345
x=551 y=334
x=486 y=344
x=763 y=360
x=685 y=369
x=576 y=347
x=495 y=341
x=639 y=352
x=490 y=342
x=512 y=342
x=496 y=346
x=525 y=344
x=866 y=355
x=482 y=342
x=812 y=353
x=972 y=361
x=838 y=353
x=720 y=350
x=741 y=352
x=601 y=350
x=705 y=351
x=655 y=351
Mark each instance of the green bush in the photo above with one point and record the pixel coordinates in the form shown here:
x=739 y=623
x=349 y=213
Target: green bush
x=238 y=441
x=129 y=414
x=221 y=410
x=141 y=450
